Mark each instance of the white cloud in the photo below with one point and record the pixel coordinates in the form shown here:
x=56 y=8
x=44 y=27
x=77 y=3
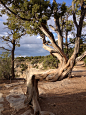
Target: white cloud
x=3 y=29
x=1 y=35
x=70 y=36
x=27 y=39
x=38 y=37
x=29 y=45
x=70 y=18
x=51 y=22
x=3 y=18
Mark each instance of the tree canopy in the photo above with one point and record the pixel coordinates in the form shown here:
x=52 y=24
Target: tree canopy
x=33 y=16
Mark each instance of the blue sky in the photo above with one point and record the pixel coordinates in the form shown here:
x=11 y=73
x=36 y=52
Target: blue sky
x=68 y=2
x=29 y=45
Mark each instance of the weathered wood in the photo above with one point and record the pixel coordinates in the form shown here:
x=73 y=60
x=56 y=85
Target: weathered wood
x=54 y=45
x=65 y=67
x=35 y=103
x=81 y=57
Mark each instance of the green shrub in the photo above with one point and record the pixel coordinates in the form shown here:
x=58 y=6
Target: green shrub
x=34 y=61
x=50 y=62
x=85 y=61
x=23 y=67
x=5 y=65
x=41 y=60
x=20 y=59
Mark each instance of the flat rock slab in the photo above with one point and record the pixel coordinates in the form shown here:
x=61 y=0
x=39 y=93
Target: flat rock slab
x=1 y=108
x=53 y=85
x=13 y=84
x=1 y=105
x=41 y=91
x=16 y=98
x=28 y=112
x=1 y=98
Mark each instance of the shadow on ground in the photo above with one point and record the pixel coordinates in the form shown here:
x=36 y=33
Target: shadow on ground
x=64 y=104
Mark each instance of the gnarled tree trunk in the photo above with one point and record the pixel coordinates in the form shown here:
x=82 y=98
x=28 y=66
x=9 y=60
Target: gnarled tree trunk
x=56 y=74
x=65 y=65
x=63 y=70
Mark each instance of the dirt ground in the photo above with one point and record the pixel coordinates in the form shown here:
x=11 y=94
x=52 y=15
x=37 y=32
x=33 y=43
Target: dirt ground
x=66 y=97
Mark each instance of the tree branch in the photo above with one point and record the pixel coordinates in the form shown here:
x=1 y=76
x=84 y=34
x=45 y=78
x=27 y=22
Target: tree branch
x=74 y=16
x=81 y=19
x=58 y=26
x=51 y=50
x=5 y=48
x=58 y=29
x=81 y=57
x=52 y=28
x=44 y=29
x=25 y=19
x=81 y=3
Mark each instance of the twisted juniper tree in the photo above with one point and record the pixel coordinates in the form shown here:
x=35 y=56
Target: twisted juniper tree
x=35 y=14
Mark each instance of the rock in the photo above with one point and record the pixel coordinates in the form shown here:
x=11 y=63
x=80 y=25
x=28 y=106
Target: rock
x=46 y=113
x=28 y=112
x=1 y=98
x=51 y=85
x=47 y=86
x=16 y=98
x=13 y=84
x=82 y=76
x=1 y=108
x=1 y=105
x=41 y=91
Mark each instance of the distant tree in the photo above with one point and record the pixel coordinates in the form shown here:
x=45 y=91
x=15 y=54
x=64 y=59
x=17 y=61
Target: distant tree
x=13 y=37
x=67 y=29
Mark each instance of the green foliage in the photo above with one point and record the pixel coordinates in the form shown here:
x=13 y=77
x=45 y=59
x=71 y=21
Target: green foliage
x=85 y=61
x=82 y=46
x=23 y=67
x=78 y=4
x=20 y=59
x=37 y=59
x=69 y=25
x=41 y=59
x=34 y=61
x=59 y=9
x=5 y=65
x=70 y=51
x=33 y=14
x=30 y=15
x=50 y=62
x=36 y=11
x=16 y=27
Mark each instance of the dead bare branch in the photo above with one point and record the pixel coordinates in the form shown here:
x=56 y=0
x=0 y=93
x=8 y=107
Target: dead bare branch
x=5 y=48
x=81 y=57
